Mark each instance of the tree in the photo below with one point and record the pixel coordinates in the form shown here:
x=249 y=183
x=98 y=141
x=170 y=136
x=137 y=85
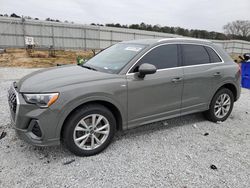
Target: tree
x=238 y=28
x=143 y=26
x=118 y=25
x=14 y=15
x=149 y=27
x=181 y=31
x=156 y=28
x=134 y=26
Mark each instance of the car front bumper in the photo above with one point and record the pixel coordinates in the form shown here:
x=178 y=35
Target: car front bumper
x=34 y=125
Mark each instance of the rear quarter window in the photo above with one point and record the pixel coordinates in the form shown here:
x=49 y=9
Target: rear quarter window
x=214 y=58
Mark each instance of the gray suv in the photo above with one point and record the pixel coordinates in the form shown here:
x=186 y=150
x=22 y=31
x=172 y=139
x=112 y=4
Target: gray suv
x=126 y=85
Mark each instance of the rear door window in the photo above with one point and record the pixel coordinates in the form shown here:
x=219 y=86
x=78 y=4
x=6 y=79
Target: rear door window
x=194 y=54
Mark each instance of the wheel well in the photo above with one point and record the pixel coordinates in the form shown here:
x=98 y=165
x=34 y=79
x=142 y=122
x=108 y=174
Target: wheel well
x=232 y=88
x=108 y=105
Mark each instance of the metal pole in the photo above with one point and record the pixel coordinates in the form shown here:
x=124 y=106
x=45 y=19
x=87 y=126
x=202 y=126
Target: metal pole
x=53 y=36
x=99 y=32
x=242 y=48
x=85 y=39
x=111 y=37
x=24 y=31
x=16 y=34
x=82 y=38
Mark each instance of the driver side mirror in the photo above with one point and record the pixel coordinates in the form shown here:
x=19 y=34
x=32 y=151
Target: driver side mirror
x=145 y=69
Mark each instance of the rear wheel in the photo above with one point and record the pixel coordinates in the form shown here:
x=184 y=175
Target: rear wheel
x=221 y=106
x=89 y=130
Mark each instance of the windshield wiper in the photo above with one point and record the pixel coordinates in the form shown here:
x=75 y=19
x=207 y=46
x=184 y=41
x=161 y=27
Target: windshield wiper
x=88 y=67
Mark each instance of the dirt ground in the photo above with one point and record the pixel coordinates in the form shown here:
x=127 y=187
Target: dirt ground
x=43 y=59
x=40 y=58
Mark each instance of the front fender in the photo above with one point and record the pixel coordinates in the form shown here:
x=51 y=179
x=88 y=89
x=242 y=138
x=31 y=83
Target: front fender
x=70 y=106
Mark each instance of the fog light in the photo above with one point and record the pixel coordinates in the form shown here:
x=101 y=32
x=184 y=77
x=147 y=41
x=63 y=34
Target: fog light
x=36 y=128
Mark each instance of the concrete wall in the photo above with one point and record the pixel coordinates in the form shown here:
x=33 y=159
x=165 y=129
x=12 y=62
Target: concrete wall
x=75 y=36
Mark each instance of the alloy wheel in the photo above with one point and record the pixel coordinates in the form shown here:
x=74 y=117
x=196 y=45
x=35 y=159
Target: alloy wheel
x=91 y=132
x=222 y=105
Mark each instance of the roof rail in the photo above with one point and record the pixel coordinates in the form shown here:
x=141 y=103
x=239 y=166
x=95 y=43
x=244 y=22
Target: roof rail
x=184 y=38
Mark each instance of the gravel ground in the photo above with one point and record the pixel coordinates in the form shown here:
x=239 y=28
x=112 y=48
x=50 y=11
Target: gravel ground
x=174 y=153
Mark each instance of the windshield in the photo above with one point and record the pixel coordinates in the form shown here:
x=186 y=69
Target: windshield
x=114 y=58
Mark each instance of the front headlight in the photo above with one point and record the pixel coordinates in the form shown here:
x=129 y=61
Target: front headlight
x=41 y=100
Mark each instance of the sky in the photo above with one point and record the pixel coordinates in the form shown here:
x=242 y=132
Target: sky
x=209 y=15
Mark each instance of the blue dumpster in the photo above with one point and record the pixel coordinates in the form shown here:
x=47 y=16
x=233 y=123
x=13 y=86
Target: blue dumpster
x=245 y=73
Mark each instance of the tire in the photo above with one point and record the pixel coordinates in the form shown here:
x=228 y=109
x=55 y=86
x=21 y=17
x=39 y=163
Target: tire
x=89 y=130
x=214 y=114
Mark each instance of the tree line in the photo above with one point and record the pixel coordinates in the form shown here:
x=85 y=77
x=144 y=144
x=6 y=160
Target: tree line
x=239 y=29
x=13 y=15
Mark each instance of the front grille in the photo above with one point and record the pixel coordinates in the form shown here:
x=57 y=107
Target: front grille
x=12 y=100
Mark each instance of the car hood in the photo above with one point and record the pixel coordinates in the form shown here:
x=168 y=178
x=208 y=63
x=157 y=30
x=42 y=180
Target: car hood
x=48 y=80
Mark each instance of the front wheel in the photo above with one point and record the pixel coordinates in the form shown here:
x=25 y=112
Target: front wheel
x=89 y=130
x=221 y=106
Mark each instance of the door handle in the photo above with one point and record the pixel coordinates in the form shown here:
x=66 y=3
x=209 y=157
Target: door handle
x=217 y=74
x=175 y=80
